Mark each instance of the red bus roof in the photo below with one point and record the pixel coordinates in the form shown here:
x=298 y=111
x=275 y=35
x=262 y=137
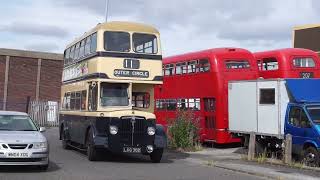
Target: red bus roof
x=205 y=53
x=285 y=52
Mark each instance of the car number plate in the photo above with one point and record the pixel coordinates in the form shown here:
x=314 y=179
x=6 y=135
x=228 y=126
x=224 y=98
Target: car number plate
x=131 y=150
x=17 y=155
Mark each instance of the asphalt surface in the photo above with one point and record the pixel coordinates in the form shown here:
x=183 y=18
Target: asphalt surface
x=73 y=164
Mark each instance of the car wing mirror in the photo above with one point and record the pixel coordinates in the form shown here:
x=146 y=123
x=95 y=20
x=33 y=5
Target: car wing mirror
x=42 y=129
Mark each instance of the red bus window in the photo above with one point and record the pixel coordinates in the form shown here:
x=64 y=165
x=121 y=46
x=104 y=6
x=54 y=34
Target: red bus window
x=269 y=64
x=194 y=104
x=182 y=103
x=192 y=66
x=303 y=62
x=237 y=64
x=140 y=99
x=171 y=104
x=210 y=122
x=181 y=68
x=209 y=104
x=204 y=65
x=169 y=70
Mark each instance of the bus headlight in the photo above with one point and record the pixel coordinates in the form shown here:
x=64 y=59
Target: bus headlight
x=151 y=131
x=113 y=130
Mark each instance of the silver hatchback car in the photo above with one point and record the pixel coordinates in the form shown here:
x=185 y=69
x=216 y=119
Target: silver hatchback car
x=21 y=141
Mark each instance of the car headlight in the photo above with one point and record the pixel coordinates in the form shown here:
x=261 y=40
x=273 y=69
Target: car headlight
x=151 y=131
x=113 y=130
x=41 y=145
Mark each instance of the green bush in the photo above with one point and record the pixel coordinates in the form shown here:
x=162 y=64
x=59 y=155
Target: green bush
x=183 y=131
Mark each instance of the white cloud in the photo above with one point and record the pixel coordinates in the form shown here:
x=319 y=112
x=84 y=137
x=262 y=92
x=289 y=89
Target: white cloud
x=185 y=25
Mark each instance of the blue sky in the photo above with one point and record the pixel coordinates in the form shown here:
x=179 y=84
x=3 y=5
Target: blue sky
x=185 y=25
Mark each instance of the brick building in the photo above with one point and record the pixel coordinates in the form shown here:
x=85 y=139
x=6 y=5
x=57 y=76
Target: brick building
x=24 y=74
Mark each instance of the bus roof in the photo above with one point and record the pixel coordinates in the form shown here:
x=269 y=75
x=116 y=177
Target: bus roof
x=285 y=52
x=204 y=54
x=118 y=26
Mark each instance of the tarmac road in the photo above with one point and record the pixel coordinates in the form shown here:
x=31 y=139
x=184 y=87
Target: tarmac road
x=73 y=164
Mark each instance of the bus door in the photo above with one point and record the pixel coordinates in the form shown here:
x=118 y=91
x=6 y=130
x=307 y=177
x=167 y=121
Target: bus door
x=210 y=118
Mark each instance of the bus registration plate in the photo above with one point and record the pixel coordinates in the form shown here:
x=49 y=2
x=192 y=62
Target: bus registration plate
x=131 y=150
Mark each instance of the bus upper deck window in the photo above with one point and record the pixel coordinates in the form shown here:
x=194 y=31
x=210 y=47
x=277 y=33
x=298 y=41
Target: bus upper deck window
x=193 y=66
x=237 y=64
x=204 y=65
x=269 y=64
x=145 y=43
x=181 y=68
x=169 y=70
x=303 y=62
x=117 y=41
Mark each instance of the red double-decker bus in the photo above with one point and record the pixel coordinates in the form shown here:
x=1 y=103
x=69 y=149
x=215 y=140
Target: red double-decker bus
x=288 y=63
x=199 y=81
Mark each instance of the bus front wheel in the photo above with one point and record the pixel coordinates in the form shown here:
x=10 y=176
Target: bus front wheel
x=156 y=155
x=92 y=152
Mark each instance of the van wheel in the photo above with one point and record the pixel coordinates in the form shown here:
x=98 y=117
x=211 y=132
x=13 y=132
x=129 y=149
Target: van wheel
x=92 y=152
x=65 y=143
x=311 y=157
x=156 y=155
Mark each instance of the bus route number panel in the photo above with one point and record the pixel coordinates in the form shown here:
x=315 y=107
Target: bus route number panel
x=131 y=73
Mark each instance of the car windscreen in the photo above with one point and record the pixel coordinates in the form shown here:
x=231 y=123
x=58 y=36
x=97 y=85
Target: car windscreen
x=16 y=123
x=114 y=94
x=314 y=113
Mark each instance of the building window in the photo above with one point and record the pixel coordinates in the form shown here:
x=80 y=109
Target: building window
x=77 y=101
x=237 y=64
x=303 y=62
x=66 y=56
x=204 y=65
x=209 y=104
x=145 y=43
x=140 y=99
x=192 y=66
x=169 y=70
x=76 y=51
x=81 y=52
x=72 y=100
x=267 y=96
x=87 y=45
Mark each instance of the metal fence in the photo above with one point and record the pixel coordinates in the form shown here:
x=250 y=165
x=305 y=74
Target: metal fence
x=45 y=113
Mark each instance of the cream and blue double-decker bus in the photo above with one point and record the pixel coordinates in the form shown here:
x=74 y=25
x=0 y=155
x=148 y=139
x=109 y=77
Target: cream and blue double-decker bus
x=107 y=91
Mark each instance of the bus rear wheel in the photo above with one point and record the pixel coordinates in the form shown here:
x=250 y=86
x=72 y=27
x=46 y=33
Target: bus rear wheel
x=92 y=151
x=156 y=155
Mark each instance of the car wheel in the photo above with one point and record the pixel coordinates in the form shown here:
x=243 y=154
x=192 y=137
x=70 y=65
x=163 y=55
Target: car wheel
x=311 y=157
x=92 y=151
x=156 y=155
